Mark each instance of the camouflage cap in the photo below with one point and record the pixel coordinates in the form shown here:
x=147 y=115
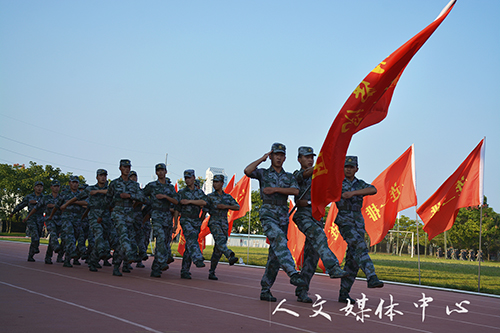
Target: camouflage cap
x=74 y=179
x=278 y=148
x=218 y=178
x=306 y=151
x=38 y=183
x=351 y=160
x=55 y=182
x=82 y=186
x=125 y=163
x=132 y=173
x=160 y=166
x=188 y=173
x=197 y=183
x=101 y=172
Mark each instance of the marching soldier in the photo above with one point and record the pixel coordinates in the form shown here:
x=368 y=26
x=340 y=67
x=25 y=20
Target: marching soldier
x=161 y=195
x=35 y=221
x=191 y=201
x=275 y=186
x=352 y=228
x=316 y=244
x=218 y=204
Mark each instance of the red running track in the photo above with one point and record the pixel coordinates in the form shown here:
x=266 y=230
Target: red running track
x=51 y=298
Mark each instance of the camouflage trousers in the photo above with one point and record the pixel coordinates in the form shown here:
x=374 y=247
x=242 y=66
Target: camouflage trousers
x=101 y=247
x=35 y=229
x=124 y=224
x=54 y=228
x=352 y=228
x=274 y=221
x=219 y=230
x=191 y=230
x=68 y=233
x=162 y=232
x=146 y=232
x=139 y=234
x=88 y=236
x=79 y=236
x=315 y=247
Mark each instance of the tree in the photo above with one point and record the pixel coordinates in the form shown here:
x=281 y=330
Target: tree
x=465 y=231
x=16 y=181
x=182 y=183
x=241 y=225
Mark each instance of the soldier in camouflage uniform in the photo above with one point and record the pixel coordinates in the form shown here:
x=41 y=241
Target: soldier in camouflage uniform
x=161 y=195
x=138 y=228
x=53 y=226
x=70 y=216
x=316 y=244
x=191 y=201
x=218 y=204
x=275 y=186
x=99 y=218
x=352 y=228
x=35 y=221
x=121 y=195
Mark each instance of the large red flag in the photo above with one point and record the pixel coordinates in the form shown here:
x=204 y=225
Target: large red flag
x=395 y=192
x=366 y=106
x=463 y=188
x=241 y=193
x=335 y=241
x=296 y=240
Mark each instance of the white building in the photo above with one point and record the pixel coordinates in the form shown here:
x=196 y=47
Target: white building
x=209 y=176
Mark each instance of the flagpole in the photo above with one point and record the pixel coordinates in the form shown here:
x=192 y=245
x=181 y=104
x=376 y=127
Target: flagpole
x=249 y=219
x=479 y=259
x=414 y=174
x=481 y=201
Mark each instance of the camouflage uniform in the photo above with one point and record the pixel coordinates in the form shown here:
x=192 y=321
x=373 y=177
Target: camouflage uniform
x=352 y=228
x=316 y=244
x=54 y=225
x=122 y=215
x=70 y=218
x=274 y=218
x=191 y=223
x=161 y=220
x=34 y=223
x=218 y=225
x=104 y=234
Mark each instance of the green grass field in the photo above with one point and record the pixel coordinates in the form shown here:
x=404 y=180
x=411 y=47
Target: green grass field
x=453 y=274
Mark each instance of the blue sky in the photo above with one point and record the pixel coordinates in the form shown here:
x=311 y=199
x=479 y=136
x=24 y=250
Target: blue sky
x=215 y=83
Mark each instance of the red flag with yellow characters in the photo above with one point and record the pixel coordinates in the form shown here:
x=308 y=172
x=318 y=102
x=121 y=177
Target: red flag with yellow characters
x=463 y=188
x=335 y=241
x=296 y=240
x=395 y=192
x=366 y=106
x=241 y=193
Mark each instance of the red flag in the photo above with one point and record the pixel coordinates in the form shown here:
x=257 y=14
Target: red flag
x=335 y=241
x=395 y=192
x=463 y=188
x=230 y=185
x=296 y=240
x=241 y=193
x=182 y=241
x=366 y=106
x=204 y=231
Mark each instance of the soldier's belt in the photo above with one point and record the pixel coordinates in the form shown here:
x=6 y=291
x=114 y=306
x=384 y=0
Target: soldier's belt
x=161 y=209
x=124 y=203
x=350 y=210
x=190 y=216
x=274 y=202
x=219 y=214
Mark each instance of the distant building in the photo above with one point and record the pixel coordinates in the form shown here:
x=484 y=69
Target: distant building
x=209 y=178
